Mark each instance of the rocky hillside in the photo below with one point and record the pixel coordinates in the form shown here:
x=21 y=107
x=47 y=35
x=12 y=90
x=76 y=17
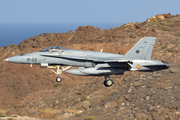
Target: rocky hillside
x=32 y=91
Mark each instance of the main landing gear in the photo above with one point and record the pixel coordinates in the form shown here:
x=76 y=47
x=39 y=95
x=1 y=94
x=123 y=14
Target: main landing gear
x=108 y=82
x=59 y=71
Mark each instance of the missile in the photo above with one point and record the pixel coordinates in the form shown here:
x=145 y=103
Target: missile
x=96 y=71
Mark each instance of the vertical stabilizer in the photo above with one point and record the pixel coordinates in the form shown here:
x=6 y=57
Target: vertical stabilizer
x=142 y=49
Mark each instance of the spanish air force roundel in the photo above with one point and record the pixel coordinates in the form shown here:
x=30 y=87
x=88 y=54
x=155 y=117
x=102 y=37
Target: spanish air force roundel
x=138 y=66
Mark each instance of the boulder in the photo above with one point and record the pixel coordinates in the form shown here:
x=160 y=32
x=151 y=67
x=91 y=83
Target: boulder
x=152 y=18
x=83 y=28
x=168 y=15
x=161 y=17
x=85 y=104
x=137 y=83
x=110 y=104
x=132 y=35
x=140 y=116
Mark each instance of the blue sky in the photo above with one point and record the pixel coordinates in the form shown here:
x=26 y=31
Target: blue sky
x=85 y=11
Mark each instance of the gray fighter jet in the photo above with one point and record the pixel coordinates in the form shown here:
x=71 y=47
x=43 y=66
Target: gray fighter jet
x=92 y=63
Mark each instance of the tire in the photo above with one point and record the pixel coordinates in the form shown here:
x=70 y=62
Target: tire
x=108 y=83
x=58 y=79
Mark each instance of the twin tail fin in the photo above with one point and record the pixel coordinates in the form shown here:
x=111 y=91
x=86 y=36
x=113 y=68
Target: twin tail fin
x=142 y=49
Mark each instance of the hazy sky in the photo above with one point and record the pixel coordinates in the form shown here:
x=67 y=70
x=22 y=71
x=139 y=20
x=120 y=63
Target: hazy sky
x=85 y=11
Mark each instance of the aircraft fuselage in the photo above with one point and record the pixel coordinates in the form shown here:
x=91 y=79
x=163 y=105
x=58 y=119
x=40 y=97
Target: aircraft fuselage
x=63 y=57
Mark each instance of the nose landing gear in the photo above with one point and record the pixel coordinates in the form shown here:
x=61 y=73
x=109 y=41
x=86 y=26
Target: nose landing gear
x=59 y=71
x=58 y=79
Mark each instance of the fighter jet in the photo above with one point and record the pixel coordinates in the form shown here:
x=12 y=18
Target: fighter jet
x=93 y=63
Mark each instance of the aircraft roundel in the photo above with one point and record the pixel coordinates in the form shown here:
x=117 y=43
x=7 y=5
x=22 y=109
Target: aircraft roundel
x=138 y=66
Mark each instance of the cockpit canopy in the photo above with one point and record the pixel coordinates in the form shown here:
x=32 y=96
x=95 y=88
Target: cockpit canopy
x=53 y=48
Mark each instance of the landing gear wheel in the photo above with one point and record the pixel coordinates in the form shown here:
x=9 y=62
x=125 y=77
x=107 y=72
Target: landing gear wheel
x=59 y=71
x=58 y=79
x=108 y=83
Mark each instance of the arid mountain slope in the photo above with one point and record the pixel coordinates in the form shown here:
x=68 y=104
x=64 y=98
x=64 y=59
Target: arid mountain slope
x=31 y=91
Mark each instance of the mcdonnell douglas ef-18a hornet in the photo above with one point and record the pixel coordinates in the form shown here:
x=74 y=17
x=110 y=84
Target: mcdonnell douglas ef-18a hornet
x=92 y=63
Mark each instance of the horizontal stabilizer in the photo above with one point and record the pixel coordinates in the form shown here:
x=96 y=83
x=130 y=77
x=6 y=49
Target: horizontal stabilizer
x=157 y=65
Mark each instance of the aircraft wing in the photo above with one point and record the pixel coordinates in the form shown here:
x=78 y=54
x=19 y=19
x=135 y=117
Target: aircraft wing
x=110 y=60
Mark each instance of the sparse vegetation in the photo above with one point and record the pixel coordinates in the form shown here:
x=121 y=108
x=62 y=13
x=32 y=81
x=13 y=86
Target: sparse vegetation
x=31 y=87
x=10 y=119
x=79 y=108
x=90 y=118
x=3 y=111
x=48 y=113
x=152 y=23
x=177 y=33
x=86 y=112
x=12 y=45
x=175 y=19
x=69 y=110
x=173 y=42
x=2 y=115
x=166 y=23
x=164 y=46
x=122 y=26
x=72 y=99
x=177 y=50
x=9 y=107
x=83 y=98
x=75 y=102
x=162 y=26
x=78 y=115
x=56 y=84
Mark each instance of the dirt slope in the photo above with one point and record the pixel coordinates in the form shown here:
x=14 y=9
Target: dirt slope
x=31 y=91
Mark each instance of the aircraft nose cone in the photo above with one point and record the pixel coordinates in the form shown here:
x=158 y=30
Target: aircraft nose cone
x=7 y=59
x=15 y=59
